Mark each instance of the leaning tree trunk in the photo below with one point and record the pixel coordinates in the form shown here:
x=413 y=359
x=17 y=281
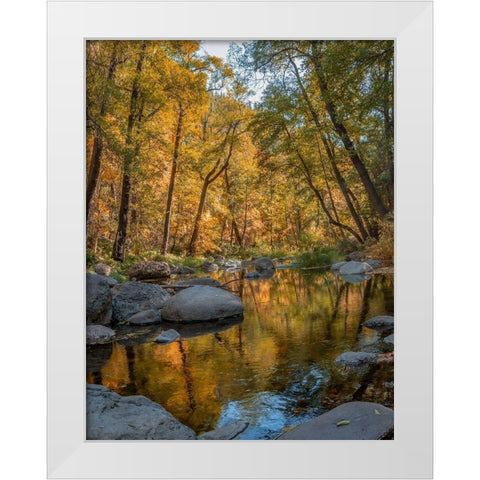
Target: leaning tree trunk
x=96 y=158
x=238 y=237
x=342 y=132
x=171 y=185
x=134 y=117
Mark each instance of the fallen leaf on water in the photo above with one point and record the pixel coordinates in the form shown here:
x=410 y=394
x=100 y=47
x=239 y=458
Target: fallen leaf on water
x=377 y=412
x=287 y=429
x=343 y=422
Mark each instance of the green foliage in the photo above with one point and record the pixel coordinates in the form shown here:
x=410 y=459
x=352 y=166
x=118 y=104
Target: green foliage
x=321 y=258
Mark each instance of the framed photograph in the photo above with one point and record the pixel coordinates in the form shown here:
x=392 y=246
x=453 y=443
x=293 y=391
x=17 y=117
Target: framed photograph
x=240 y=206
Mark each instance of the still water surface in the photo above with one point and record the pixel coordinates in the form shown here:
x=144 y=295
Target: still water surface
x=275 y=369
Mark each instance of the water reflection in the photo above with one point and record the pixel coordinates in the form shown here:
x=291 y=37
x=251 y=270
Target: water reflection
x=274 y=369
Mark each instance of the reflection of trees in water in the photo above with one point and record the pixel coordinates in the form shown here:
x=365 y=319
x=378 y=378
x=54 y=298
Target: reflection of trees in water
x=293 y=325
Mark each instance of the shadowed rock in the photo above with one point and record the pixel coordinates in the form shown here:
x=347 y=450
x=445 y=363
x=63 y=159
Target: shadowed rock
x=98 y=299
x=263 y=263
x=133 y=297
x=209 y=267
x=201 y=303
x=168 y=336
x=356 y=358
x=182 y=270
x=149 y=270
x=335 y=268
x=225 y=433
x=381 y=322
x=147 y=317
x=366 y=421
x=389 y=339
x=113 y=417
x=373 y=263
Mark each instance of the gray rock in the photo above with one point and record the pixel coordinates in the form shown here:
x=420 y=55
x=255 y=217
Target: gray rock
x=263 y=263
x=102 y=269
x=356 y=256
x=168 y=336
x=134 y=297
x=148 y=270
x=335 y=268
x=201 y=303
x=219 y=260
x=146 y=317
x=389 y=339
x=98 y=299
x=111 y=281
x=113 y=417
x=182 y=270
x=373 y=263
x=356 y=358
x=381 y=322
x=232 y=265
x=98 y=334
x=355 y=268
x=365 y=424
x=199 y=281
x=225 y=433
x=209 y=267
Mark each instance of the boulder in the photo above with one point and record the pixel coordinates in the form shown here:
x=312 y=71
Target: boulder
x=148 y=270
x=98 y=299
x=111 y=281
x=263 y=263
x=380 y=322
x=219 y=260
x=373 y=263
x=201 y=303
x=356 y=358
x=356 y=278
x=146 y=317
x=389 y=339
x=168 y=336
x=113 y=417
x=232 y=265
x=335 y=268
x=385 y=357
x=134 y=297
x=366 y=421
x=355 y=268
x=252 y=275
x=199 y=281
x=225 y=433
x=98 y=334
x=102 y=269
x=356 y=256
x=209 y=267
x=182 y=270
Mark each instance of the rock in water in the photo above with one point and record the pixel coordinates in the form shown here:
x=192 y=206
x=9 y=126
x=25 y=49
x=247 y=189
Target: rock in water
x=134 y=297
x=168 y=336
x=102 y=269
x=209 y=267
x=356 y=358
x=199 y=281
x=335 y=268
x=232 y=265
x=364 y=424
x=252 y=275
x=113 y=417
x=373 y=263
x=99 y=299
x=148 y=270
x=201 y=303
x=356 y=256
x=147 y=317
x=355 y=268
x=263 y=263
x=182 y=270
x=225 y=433
x=389 y=339
x=98 y=334
x=381 y=322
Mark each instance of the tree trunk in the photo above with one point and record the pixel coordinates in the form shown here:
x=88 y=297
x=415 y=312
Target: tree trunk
x=341 y=130
x=118 y=252
x=171 y=185
x=96 y=158
x=238 y=237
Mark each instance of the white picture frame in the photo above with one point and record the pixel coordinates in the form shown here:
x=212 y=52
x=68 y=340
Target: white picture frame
x=409 y=23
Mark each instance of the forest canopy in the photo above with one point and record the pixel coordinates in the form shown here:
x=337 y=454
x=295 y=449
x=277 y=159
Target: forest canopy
x=283 y=145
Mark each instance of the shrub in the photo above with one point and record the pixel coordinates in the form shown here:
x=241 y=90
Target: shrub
x=321 y=258
x=383 y=249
